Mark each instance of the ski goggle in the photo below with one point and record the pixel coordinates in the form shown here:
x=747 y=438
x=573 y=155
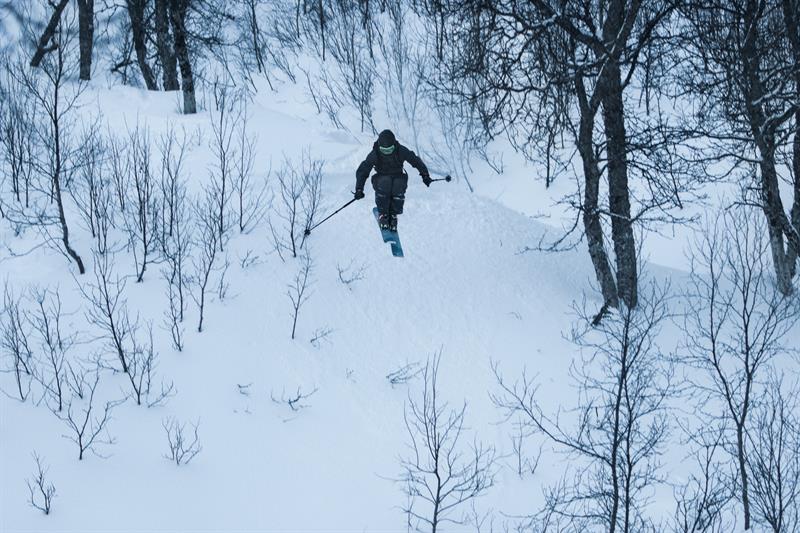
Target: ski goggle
x=386 y=150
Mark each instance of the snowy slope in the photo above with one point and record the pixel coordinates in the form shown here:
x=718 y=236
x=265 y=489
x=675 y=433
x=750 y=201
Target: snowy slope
x=463 y=288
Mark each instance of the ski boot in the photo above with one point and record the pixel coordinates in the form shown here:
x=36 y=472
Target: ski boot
x=393 y=223
x=384 y=221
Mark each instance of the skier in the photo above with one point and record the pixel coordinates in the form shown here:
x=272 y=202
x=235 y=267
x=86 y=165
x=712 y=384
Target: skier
x=390 y=179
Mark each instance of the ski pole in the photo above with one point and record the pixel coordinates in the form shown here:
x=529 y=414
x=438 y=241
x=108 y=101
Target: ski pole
x=446 y=178
x=308 y=230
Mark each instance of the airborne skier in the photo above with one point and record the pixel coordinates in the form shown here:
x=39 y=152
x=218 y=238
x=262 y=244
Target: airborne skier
x=390 y=179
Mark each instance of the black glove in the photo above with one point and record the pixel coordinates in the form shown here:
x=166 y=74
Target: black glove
x=427 y=180
x=359 y=194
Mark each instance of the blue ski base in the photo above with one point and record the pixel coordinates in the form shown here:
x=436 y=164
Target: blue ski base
x=389 y=236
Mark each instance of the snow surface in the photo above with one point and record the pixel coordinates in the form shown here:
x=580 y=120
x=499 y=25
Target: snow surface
x=464 y=288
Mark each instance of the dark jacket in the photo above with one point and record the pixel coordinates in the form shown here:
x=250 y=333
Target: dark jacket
x=388 y=165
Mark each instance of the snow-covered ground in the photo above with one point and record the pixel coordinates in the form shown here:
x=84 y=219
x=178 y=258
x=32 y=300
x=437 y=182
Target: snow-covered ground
x=464 y=288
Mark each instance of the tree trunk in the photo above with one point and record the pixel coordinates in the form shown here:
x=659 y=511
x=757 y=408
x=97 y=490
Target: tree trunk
x=178 y=18
x=164 y=44
x=136 y=14
x=790 y=15
x=614 y=457
x=56 y=185
x=619 y=194
x=764 y=138
x=773 y=209
x=256 y=34
x=43 y=47
x=591 y=214
x=794 y=251
x=321 y=14
x=86 y=37
x=742 y=464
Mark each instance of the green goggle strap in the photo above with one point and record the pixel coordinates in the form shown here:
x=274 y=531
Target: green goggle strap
x=386 y=150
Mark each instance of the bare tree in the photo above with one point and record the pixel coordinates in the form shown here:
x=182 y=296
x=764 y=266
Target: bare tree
x=539 y=71
x=735 y=325
x=311 y=201
x=55 y=344
x=170 y=36
x=791 y=20
x=176 y=233
x=41 y=490
x=87 y=426
x=252 y=41
x=120 y=45
x=284 y=40
x=89 y=173
x=524 y=465
x=440 y=474
x=91 y=191
x=183 y=446
x=619 y=426
x=298 y=290
x=173 y=321
x=701 y=502
x=17 y=138
x=143 y=361
x=223 y=127
x=55 y=100
x=77 y=378
x=350 y=47
x=121 y=332
x=108 y=310
x=141 y=220
x=299 y=198
x=740 y=63
x=343 y=35
x=204 y=261
x=284 y=223
x=326 y=96
x=14 y=334
x=119 y=167
x=172 y=150
x=105 y=219
x=222 y=280
x=252 y=197
x=773 y=460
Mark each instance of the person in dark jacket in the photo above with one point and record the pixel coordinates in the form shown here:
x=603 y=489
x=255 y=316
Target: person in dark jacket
x=390 y=179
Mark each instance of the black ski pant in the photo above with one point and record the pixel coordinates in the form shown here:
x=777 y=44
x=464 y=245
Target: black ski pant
x=390 y=192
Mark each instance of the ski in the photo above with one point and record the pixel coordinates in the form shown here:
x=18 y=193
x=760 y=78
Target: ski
x=389 y=236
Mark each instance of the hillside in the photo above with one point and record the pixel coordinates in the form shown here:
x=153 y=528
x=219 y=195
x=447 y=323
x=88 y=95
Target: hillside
x=463 y=288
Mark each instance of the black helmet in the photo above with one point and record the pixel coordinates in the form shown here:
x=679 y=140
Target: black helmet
x=386 y=142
